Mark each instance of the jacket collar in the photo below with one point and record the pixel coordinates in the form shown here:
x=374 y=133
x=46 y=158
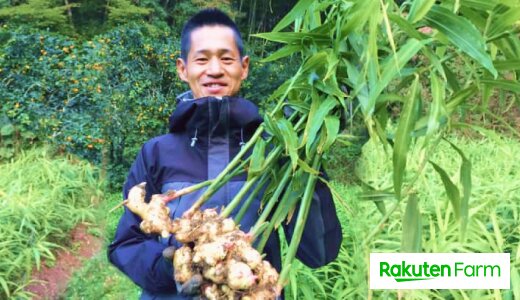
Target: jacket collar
x=214 y=115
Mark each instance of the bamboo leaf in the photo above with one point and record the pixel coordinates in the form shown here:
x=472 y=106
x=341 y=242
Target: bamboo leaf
x=507 y=85
x=412 y=227
x=332 y=63
x=482 y=5
x=331 y=130
x=419 y=9
x=451 y=189
x=507 y=65
x=451 y=78
x=509 y=45
x=390 y=70
x=293 y=37
x=361 y=12
x=462 y=34
x=438 y=94
x=315 y=62
x=465 y=179
x=5 y=286
x=307 y=292
x=406 y=26
x=296 y=12
x=272 y=128
x=515 y=279
x=403 y=136
x=282 y=52
x=290 y=140
x=460 y=97
x=502 y=23
x=307 y=168
x=257 y=159
x=315 y=120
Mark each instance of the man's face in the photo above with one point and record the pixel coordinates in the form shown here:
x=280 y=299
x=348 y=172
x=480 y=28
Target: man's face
x=213 y=66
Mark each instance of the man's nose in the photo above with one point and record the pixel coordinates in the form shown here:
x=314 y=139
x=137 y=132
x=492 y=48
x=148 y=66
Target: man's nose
x=214 y=67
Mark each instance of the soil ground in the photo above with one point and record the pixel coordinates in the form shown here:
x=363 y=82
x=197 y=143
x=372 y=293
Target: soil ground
x=51 y=282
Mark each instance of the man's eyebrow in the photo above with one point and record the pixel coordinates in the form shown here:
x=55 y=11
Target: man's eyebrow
x=219 y=51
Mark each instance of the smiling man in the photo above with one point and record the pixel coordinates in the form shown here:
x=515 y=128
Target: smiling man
x=213 y=63
x=207 y=129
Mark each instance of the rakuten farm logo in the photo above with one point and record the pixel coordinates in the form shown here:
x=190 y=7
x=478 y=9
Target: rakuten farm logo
x=439 y=271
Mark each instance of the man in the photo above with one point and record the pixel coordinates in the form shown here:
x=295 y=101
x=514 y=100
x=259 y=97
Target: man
x=206 y=131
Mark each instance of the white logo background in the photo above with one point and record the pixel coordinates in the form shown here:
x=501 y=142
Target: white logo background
x=459 y=282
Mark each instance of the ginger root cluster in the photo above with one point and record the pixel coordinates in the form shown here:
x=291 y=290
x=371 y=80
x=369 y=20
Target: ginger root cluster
x=214 y=248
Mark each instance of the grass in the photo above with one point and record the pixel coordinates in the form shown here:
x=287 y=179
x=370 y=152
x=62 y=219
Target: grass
x=42 y=198
x=98 y=279
x=494 y=222
x=493 y=226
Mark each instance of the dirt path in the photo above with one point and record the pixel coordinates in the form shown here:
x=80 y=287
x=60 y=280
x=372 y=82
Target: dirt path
x=52 y=282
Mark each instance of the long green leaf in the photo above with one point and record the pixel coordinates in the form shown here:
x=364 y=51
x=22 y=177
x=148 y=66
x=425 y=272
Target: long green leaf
x=290 y=140
x=293 y=37
x=462 y=34
x=507 y=65
x=331 y=130
x=403 y=136
x=360 y=14
x=451 y=189
x=451 y=78
x=419 y=9
x=459 y=97
x=257 y=159
x=282 y=52
x=412 y=227
x=296 y=12
x=5 y=287
x=482 y=5
x=502 y=23
x=315 y=120
x=515 y=279
x=437 y=107
x=465 y=179
x=507 y=85
x=391 y=70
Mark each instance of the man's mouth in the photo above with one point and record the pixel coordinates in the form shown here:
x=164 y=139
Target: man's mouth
x=215 y=87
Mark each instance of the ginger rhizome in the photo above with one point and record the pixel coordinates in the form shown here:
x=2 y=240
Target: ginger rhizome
x=214 y=248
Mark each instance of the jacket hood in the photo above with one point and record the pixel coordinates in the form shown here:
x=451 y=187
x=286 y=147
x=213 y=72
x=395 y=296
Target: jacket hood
x=211 y=114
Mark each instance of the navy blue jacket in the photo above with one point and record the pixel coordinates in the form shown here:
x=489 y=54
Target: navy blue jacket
x=205 y=134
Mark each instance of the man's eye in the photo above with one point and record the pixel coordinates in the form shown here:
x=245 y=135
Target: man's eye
x=227 y=59
x=201 y=59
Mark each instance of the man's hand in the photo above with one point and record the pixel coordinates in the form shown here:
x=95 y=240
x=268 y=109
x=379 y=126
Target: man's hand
x=190 y=287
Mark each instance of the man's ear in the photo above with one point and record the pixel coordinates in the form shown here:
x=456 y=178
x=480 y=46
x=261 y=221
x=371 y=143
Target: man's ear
x=245 y=67
x=181 y=69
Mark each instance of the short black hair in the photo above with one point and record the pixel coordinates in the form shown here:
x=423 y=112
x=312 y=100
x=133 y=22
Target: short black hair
x=208 y=17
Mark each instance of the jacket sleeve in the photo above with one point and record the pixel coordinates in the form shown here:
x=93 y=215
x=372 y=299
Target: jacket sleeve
x=136 y=254
x=322 y=237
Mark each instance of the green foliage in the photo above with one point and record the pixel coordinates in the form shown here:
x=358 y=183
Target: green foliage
x=98 y=279
x=12 y=138
x=41 y=13
x=42 y=199
x=101 y=99
x=122 y=11
x=493 y=221
x=94 y=99
x=390 y=62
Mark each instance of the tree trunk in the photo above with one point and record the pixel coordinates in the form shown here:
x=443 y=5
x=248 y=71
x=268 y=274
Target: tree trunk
x=69 y=13
x=252 y=16
x=106 y=11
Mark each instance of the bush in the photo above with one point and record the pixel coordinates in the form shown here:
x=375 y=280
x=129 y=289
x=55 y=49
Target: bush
x=99 y=99
x=42 y=199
